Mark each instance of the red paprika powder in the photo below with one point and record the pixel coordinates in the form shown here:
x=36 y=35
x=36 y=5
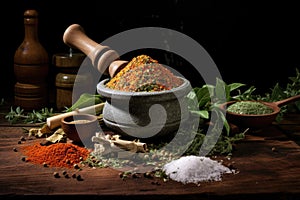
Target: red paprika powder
x=56 y=155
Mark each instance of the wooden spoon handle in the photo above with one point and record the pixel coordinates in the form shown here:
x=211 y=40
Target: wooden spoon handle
x=101 y=56
x=54 y=121
x=287 y=101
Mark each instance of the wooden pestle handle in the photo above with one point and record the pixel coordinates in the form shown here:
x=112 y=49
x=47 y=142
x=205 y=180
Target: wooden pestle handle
x=104 y=59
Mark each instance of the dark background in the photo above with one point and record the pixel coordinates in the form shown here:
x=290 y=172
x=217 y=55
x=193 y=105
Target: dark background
x=252 y=42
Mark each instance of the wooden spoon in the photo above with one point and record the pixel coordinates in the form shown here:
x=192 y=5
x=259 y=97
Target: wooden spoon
x=104 y=59
x=257 y=121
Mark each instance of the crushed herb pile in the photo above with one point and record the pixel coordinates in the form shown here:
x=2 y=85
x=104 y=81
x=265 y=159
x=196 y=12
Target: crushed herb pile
x=143 y=73
x=249 y=108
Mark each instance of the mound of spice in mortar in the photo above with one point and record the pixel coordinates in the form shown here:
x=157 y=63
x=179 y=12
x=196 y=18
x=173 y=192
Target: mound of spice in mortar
x=55 y=155
x=143 y=73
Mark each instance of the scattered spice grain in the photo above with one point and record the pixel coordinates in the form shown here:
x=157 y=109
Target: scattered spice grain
x=143 y=73
x=56 y=174
x=22 y=138
x=274 y=149
x=76 y=166
x=79 y=178
x=45 y=164
x=55 y=155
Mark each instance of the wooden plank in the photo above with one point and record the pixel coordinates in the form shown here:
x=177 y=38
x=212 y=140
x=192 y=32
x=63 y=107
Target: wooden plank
x=263 y=171
x=290 y=125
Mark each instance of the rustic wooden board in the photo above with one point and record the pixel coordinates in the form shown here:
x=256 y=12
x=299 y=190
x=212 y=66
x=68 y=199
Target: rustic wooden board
x=263 y=172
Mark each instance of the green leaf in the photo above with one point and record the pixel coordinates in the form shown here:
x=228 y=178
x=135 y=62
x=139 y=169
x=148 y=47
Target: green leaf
x=277 y=93
x=192 y=94
x=220 y=90
x=203 y=97
x=202 y=113
x=19 y=110
x=191 y=100
x=210 y=88
x=86 y=100
x=39 y=116
x=226 y=124
x=235 y=86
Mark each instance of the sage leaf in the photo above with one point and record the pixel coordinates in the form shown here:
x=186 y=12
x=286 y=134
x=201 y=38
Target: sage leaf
x=221 y=90
x=86 y=100
x=235 y=86
x=202 y=113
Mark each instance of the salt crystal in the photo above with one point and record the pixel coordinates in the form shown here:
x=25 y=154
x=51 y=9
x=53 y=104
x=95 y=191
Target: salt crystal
x=195 y=169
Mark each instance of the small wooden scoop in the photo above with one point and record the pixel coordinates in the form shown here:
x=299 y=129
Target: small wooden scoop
x=104 y=59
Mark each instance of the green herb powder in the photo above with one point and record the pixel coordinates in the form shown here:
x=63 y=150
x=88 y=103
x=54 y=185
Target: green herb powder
x=249 y=108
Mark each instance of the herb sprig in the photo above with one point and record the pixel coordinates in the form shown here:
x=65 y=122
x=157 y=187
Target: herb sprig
x=277 y=93
x=209 y=98
x=18 y=115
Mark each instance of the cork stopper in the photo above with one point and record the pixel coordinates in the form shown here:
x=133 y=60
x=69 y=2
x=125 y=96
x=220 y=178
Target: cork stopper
x=30 y=17
x=31 y=14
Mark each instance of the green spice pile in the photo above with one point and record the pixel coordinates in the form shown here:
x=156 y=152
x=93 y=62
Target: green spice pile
x=249 y=108
x=143 y=73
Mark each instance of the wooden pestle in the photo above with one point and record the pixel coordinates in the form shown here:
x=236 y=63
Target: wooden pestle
x=104 y=59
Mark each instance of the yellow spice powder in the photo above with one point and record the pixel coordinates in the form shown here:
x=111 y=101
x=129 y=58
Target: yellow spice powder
x=143 y=73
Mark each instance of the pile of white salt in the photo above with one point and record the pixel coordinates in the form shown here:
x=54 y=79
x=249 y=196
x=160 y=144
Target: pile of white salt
x=195 y=169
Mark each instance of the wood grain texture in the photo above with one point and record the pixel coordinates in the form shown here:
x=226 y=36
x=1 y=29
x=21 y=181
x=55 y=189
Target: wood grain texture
x=268 y=165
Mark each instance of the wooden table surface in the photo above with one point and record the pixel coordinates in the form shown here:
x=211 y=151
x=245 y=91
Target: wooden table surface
x=268 y=164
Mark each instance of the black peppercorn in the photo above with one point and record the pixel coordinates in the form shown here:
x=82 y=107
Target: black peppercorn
x=56 y=174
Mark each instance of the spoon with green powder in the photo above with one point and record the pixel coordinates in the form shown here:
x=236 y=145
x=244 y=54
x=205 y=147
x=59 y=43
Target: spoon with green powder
x=254 y=114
